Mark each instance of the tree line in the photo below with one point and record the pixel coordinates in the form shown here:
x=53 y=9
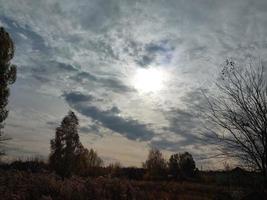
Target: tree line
x=68 y=156
x=236 y=115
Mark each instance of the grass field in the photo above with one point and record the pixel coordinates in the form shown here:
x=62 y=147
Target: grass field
x=23 y=185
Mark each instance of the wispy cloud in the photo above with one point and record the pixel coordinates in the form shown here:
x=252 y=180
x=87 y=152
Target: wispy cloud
x=111 y=118
x=96 y=46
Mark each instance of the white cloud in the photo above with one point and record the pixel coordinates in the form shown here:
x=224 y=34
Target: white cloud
x=56 y=42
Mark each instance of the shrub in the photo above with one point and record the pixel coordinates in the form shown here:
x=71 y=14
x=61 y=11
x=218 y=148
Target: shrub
x=182 y=166
x=155 y=165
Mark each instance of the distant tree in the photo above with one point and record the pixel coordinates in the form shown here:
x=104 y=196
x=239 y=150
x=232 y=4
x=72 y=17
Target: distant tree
x=92 y=159
x=155 y=164
x=7 y=72
x=226 y=166
x=187 y=164
x=115 y=169
x=181 y=165
x=115 y=164
x=238 y=114
x=173 y=166
x=86 y=160
x=66 y=146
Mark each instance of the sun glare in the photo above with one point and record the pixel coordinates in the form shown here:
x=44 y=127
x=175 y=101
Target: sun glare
x=148 y=80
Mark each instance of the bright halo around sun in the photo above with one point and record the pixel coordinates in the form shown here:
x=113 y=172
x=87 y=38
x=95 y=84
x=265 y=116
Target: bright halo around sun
x=149 y=80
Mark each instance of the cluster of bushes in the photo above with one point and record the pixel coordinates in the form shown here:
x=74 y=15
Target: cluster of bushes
x=179 y=166
x=44 y=185
x=31 y=165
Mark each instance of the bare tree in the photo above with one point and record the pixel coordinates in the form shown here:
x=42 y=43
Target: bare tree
x=238 y=113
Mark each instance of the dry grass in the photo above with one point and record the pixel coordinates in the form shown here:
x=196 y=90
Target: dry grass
x=21 y=185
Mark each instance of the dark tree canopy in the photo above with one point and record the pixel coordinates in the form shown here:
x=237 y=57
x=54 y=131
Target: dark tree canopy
x=155 y=164
x=68 y=155
x=7 y=72
x=86 y=160
x=181 y=165
x=238 y=114
x=187 y=164
x=66 y=146
x=173 y=166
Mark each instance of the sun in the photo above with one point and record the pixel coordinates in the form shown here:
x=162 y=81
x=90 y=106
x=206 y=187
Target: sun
x=148 y=80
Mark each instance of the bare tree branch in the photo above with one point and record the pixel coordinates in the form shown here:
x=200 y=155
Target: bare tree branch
x=238 y=114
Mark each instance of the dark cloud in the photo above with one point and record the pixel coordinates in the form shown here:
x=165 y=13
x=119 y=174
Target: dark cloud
x=130 y=128
x=187 y=121
x=52 y=123
x=114 y=84
x=147 y=53
x=77 y=97
x=65 y=67
x=53 y=67
x=104 y=48
x=84 y=76
x=49 y=71
x=154 y=52
x=162 y=46
x=145 y=60
x=24 y=34
x=185 y=124
x=166 y=144
x=195 y=100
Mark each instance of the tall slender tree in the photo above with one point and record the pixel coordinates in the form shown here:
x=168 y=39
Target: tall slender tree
x=7 y=72
x=66 y=146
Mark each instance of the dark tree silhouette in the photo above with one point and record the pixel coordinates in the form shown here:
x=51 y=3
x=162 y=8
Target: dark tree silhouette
x=187 y=164
x=66 y=146
x=7 y=72
x=181 y=165
x=155 y=164
x=238 y=114
x=173 y=166
x=87 y=160
x=92 y=159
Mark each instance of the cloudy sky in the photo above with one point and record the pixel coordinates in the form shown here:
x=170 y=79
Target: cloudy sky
x=131 y=70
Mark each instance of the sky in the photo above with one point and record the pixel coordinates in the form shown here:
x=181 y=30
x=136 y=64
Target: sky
x=132 y=71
